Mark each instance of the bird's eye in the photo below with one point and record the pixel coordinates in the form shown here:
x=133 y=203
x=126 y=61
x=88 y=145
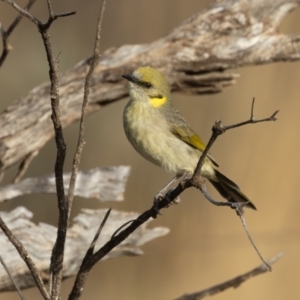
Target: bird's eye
x=148 y=85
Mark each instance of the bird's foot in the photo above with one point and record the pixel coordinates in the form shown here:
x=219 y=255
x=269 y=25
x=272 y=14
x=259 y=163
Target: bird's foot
x=175 y=201
x=158 y=197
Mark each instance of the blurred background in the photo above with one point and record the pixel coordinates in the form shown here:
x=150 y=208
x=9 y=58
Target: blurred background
x=207 y=244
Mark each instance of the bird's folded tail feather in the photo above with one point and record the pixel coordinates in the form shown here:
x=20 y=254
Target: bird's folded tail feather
x=229 y=190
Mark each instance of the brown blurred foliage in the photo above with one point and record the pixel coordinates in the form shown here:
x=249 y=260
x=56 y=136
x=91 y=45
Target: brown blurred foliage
x=207 y=244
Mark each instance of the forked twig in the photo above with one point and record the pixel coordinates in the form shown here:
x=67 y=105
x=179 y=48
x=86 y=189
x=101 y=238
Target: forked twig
x=219 y=129
x=197 y=180
x=121 y=227
x=91 y=249
x=84 y=270
x=238 y=207
x=6 y=33
x=252 y=120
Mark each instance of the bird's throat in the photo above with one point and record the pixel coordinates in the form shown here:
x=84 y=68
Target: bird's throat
x=158 y=101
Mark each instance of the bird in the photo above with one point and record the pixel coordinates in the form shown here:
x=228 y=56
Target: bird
x=158 y=132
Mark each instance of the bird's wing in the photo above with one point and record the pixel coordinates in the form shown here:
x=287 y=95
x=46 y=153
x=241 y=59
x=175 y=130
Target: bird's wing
x=188 y=136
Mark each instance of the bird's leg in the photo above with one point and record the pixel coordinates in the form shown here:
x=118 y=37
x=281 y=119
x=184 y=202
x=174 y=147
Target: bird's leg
x=160 y=194
x=185 y=176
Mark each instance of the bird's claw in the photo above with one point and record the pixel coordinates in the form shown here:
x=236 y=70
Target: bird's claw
x=155 y=207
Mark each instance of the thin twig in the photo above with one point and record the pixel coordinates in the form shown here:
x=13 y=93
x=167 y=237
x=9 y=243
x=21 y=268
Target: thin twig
x=252 y=119
x=197 y=180
x=91 y=249
x=11 y=278
x=204 y=191
x=24 y=165
x=25 y=256
x=23 y=12
x=235 y=282
x=238 y=207
x=80 y=143
x=90 y=252
x=121 y=227
x=6 y=33
x=219 y=129
x=240 y=213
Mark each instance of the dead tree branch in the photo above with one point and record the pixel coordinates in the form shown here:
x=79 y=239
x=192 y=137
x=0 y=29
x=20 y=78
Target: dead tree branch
x=105 y=184
x=193 y=56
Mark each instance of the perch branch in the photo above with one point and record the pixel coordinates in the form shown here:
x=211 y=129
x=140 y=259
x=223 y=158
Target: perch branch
x=164 y=202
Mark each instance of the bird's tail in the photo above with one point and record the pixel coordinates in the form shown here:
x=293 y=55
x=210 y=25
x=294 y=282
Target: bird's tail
x=229 y=190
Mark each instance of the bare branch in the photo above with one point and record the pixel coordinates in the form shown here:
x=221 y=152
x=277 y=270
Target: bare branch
x=235 y=282
x=80 y=143
x=240 y=213
x=83 y=273
x=219 y=129
x=91 y=249
x=6 y=33
x=252 y=119
x=24 y=166
x=23 y=12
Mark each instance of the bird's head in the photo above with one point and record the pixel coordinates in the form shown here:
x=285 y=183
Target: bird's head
x=149 y=85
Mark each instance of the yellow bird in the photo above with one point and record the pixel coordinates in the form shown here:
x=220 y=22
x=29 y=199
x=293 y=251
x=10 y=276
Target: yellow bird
x=161 y=135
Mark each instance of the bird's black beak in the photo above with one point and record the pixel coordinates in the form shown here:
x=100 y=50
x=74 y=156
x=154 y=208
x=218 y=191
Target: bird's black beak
x=130 y=78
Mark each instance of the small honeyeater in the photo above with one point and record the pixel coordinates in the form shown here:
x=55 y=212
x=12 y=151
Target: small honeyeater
x=161 y=135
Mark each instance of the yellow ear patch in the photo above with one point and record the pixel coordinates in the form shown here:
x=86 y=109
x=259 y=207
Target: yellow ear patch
x=157 y=102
